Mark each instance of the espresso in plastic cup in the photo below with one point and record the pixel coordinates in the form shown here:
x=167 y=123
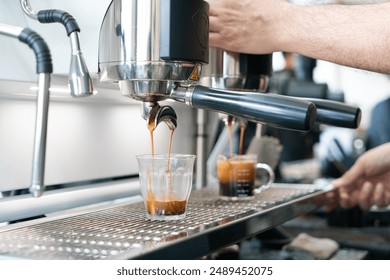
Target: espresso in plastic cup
x=166 y=183
x=237 y=176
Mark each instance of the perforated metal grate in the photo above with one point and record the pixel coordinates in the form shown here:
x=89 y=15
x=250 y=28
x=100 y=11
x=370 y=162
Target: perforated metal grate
x=123 y=229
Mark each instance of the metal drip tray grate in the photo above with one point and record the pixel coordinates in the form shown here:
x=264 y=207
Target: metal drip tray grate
x=122 y=231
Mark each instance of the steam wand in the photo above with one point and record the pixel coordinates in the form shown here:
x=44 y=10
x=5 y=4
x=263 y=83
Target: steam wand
x=79 y=80
x=44 y=69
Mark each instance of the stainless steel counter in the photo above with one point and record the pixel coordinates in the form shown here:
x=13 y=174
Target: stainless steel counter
x=122 y=231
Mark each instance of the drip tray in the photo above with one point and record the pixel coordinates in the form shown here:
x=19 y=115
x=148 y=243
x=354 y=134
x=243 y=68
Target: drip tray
x=122 y=231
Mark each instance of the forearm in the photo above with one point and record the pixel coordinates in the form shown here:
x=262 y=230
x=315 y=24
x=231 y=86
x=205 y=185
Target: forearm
x=356 y=36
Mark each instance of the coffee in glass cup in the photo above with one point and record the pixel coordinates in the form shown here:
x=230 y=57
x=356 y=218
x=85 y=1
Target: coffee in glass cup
x=166 y=183
x=237 y=176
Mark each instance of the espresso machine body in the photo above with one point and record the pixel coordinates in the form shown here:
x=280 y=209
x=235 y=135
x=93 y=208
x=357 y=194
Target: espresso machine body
x=237 y=71
x=150 y=46
x=155 y=50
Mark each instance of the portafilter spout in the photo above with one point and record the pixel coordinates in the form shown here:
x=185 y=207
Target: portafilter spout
x=79 y=79
x=154 y=114
x=44 y=69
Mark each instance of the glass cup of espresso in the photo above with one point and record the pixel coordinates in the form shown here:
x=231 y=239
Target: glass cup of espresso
x=166 y=183
x=237 y=176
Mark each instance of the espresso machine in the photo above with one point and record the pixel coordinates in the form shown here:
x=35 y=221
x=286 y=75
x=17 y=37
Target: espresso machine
x=155 y=51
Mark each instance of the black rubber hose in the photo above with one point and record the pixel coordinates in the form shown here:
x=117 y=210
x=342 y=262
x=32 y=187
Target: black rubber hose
x=40 y=48
x=49 y=16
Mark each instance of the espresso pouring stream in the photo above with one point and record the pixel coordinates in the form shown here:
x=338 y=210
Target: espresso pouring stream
x=169 y=206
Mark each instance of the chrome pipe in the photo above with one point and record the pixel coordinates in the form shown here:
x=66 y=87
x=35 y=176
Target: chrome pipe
x=38 y=173
x=44 y=68
x=24 y=206
x=79 y=79
x=201 y=149
x=10 y=30
x=28 y=10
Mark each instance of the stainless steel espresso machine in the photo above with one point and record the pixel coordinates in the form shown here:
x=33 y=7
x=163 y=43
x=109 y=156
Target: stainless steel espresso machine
x=155 y=50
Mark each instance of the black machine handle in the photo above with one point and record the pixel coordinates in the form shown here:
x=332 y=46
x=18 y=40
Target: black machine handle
x=336 y=113
x=275 y=110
